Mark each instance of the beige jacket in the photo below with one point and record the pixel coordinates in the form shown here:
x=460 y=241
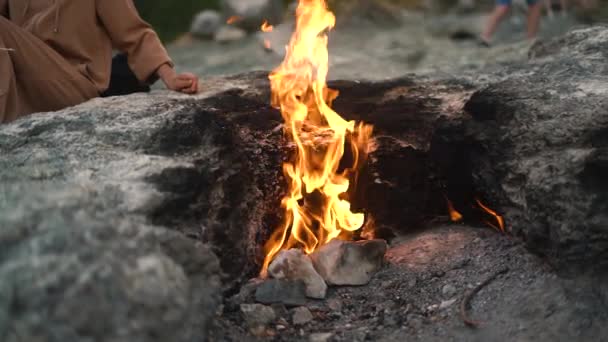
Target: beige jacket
x=85 y=32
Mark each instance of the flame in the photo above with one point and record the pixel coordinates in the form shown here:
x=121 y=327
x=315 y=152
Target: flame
x=499 y=220
x=233 y=19
x=266 y=27
x=455 y=216
x=316 y=208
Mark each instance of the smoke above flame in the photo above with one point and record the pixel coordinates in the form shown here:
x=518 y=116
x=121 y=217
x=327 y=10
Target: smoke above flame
x=316 y=207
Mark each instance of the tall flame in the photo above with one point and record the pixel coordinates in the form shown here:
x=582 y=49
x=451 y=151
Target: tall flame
x=316 y=208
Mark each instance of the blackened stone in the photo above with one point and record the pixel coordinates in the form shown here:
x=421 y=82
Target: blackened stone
x=287 y=292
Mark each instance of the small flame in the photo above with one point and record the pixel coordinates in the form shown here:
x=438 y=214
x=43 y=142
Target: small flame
x=455 y=216
x=266 y=27
x=316 y=208
x=500 y=223
x=233 y=19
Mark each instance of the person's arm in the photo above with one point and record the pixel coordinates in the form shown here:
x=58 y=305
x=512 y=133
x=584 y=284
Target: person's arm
x=146 y=55
x=4 y=8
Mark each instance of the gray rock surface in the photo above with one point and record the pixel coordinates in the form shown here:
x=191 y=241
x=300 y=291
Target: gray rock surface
x=75 y=267
x=286 y=292
x=293 y=264
x=257 y=315
x=301 y=316
x=349 y=263
x=206 y=24
x=543 y=152
x=252 y=13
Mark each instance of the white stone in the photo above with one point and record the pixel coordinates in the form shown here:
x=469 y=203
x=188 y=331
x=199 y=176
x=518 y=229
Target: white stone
x=446 y=304
x=295 y=265
x=320 y=337
x=349 y=263
x=206 y=24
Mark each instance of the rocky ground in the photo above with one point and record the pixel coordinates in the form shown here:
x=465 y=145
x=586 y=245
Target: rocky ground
x=418 y=43
x=139 y=218
x=418 y=294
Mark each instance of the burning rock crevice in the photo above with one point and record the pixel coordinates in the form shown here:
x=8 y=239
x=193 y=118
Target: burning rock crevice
x=230 y=195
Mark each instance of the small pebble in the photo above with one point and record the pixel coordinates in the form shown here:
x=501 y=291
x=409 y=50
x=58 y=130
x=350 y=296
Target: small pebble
x=320 y=337
x=334 y=304
x=448 y=291
x=446 y=304
x=301 y=316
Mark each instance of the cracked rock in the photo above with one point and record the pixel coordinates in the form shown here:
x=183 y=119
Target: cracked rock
x=349 y=263
x=295 y=265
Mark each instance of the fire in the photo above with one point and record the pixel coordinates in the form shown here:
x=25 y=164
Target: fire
x=266 y=27
x=233 y=19
x=455 y=216
x=316 y=208
x=500 y=223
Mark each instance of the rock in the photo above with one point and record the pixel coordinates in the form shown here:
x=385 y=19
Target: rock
x=542 y=152
x=448 y=290
x=228 y=33
x=334 y=304
x=349 y=263
x=67 y=250
x=252 y=13
x=258 y=315
x=456 y=26
x=446 y=304
x=320 y=337
x=295 y=265
x=206 y=24
x=287 y=292
x=301 y=316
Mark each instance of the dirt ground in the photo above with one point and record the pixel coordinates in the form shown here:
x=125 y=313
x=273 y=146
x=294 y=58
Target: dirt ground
x=418 y=294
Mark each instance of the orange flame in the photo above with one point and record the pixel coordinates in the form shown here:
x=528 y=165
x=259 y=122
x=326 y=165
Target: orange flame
x=455 y=216
x=316 y=209
x=499 y=220
x=233 y=19
x=266 y=27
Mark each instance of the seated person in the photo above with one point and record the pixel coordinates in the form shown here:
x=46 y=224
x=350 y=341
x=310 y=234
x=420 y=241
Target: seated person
x=58 y=53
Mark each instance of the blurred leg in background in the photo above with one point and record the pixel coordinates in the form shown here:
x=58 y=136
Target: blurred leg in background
x=534 y=14
x=500 y=11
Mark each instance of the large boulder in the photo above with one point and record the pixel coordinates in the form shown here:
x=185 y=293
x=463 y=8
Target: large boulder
x=250 y=14
x=75 y=266
x=541 y=148
x=206 y=24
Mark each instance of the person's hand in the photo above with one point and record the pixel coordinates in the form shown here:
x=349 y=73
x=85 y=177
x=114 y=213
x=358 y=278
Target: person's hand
x=185 y=83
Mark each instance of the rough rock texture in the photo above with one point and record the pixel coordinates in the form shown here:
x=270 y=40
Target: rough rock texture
x=295 y=265
x=349 y=263
x=287 y=292
x=74 y=266
x=542 y=148
x=92 y=198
